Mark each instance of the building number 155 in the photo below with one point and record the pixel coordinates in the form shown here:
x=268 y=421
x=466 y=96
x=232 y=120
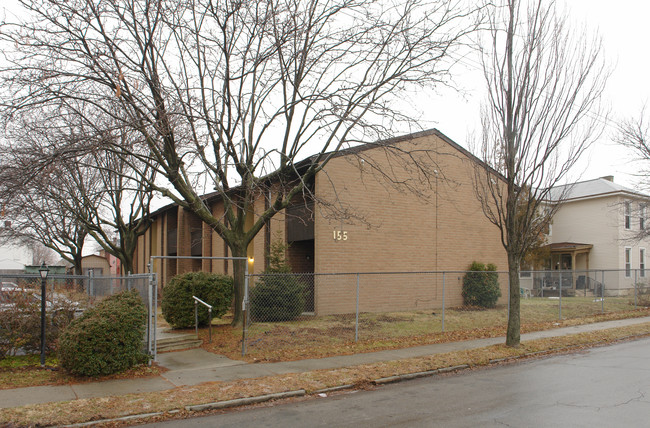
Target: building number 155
x=340 y=235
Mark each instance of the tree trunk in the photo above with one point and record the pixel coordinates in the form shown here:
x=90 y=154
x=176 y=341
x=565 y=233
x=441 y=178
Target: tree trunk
x=77 y=266
x=239 y=276
x=514 y=319
x=126 y=263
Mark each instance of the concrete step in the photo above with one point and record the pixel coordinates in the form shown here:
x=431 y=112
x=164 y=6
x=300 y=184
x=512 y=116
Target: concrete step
x=168 y=340
x=179 y=345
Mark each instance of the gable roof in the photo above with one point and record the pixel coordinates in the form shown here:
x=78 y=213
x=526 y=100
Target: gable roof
x=347 y=151
x=596 y=188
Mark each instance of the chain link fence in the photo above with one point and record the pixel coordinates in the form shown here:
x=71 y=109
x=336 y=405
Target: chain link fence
x=76 y=293
x=332 y=310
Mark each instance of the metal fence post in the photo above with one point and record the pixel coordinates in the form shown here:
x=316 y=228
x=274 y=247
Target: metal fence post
x=602 y=292
x=356 y=322
x=91 y=283
x=210 y=324
x=635 y=282
x=149 y=312
x=154 y=285
x=443 y=302
x=196 y=318
x=153 y=302
x=560 y=301
x=508 y=288
x=245 y=309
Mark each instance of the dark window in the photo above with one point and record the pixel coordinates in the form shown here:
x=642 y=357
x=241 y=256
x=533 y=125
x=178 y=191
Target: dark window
x=642 y=216
x=300 y=222
x=196 y=238
x=642 y=262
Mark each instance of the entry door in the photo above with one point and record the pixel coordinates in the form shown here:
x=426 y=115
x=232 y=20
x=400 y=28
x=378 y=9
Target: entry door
x=566 y=262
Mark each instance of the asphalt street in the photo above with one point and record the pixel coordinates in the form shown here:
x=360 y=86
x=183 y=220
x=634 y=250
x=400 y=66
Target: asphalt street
x=601 y=387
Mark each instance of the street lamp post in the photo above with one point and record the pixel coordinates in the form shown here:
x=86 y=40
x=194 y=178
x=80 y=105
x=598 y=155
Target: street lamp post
x=43 y=270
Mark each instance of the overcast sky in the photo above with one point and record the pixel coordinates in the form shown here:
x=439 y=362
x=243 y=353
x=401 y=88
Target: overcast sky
x=626 y=35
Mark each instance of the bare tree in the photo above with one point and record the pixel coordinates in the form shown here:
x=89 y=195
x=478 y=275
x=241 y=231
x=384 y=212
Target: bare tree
x=123 y=210
x=27 y=178
x=634 y=133
x=95 y=188
x=544 y=84
x=41 y=254
x=37 y=220
x=225 y=92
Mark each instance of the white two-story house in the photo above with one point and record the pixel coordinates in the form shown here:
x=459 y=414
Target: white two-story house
x=599 y=235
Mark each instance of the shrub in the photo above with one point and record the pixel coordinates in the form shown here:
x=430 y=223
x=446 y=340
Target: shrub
x=20 y=322
x=278 y=295
x=106 y=339
x=642 y=295
x=177 y=303
x=481 y=286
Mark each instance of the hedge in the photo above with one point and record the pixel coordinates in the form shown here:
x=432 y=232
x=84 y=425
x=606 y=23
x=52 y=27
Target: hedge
x=106 y=339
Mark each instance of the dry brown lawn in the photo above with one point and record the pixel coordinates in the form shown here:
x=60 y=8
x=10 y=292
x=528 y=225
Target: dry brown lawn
x=173 y=401
x=317 y=337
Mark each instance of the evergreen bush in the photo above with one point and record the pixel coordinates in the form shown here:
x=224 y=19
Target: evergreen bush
x=106 y=339
x=481 y=286
x=278 y=295
x=178 y=305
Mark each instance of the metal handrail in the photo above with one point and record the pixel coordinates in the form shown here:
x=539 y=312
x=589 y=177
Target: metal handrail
x=196 y=316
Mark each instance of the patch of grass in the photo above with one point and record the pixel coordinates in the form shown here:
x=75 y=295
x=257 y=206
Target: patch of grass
x=78 y=411
x=317 y=337
x=23 y=371
x=25 y=361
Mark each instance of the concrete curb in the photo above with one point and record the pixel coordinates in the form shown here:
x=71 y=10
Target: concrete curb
x=244 y=401
x=124 y=418
x=380 y=381
x=333 y=389
x=409 y=376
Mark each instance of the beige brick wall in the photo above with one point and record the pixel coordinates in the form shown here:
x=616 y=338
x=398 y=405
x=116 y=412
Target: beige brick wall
x=156 y=240
x=401 y=228
x=206 y=244
x=258 y=251
x=218 y=250
x=395 y=220
x=183 y=241
x=138 y=259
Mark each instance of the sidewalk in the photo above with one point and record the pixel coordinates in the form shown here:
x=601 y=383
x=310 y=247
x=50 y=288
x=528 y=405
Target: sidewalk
x=197 y=366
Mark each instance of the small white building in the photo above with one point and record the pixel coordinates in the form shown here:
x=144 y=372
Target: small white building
x=598 y=233
x=14 y=258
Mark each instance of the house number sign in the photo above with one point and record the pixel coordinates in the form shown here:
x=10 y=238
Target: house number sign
x=340 y=235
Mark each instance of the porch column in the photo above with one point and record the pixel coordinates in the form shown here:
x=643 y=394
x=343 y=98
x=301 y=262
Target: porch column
x=574 y=278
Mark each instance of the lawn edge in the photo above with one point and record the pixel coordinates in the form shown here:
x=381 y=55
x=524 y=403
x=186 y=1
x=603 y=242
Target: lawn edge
x=200 y=408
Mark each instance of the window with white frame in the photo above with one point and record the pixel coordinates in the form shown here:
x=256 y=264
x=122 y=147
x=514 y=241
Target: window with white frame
x=628 y=262
x=642 y=216
x=642 y=262
x=628 y=214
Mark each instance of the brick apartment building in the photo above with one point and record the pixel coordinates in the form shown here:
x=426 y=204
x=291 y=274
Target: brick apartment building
x=373 y=211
